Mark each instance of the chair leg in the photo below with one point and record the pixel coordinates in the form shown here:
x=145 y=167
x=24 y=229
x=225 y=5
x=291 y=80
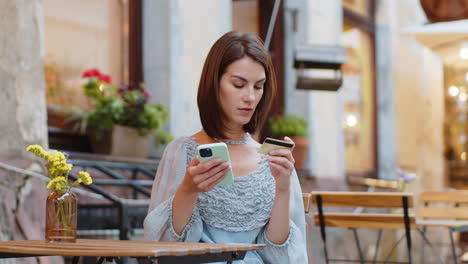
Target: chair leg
x=426 y=240
x=75 y=260
x=452 y=243
x=325 y=252
x=393 y=248
x=379 y=237
x=322 y=228
x=324 y=244
x=423 y=246
x=407 y=228
x=408 y=243
x=358 y=245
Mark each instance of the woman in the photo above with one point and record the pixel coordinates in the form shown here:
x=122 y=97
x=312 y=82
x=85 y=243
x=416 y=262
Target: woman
x=264 y=203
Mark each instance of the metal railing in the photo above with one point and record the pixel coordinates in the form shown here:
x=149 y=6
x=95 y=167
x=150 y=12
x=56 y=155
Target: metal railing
x=124 y=214
x=109 y=210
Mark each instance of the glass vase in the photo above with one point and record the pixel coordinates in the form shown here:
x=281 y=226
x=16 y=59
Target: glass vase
x=61 y=216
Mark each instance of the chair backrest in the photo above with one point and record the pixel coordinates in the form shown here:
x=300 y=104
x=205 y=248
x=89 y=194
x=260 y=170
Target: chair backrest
x=444 y=205
x=306 y=199
x=364 y=199
x=373 y=184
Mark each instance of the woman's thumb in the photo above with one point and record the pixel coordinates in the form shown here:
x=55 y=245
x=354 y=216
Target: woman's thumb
x=195 y=161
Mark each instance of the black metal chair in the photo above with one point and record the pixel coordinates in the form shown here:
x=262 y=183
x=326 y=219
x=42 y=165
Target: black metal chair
x=354 y=220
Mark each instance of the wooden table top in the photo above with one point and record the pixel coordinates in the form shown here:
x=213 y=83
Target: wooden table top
x=118 y=248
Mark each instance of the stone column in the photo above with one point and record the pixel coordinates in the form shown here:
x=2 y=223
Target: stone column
x=23 y=118
x=412 y=114
x=325 y=109
x=295 y=32
x=386 y=38
x=177 y=37
x=23 y=121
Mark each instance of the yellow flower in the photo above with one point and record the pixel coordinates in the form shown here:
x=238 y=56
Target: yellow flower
x=57 y=183
x=39 y=151
x=85 y=177
x=58 y=168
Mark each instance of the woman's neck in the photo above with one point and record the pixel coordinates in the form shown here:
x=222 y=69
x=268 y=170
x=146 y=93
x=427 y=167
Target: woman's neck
x=231 y=135
x=235 y=134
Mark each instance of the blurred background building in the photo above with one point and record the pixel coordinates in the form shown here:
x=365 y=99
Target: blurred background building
x=382 y=84
x=402 y=102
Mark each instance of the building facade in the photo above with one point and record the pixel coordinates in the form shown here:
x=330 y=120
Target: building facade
x=388 y=114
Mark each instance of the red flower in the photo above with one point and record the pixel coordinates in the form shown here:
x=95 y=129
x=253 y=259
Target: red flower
x=145 y=93
x=97 y=74
x=105 y=78
x=91 y=73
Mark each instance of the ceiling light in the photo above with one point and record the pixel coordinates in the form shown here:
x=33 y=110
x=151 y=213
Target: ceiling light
x=453 y=91
x=463 y=96
x=464 y=51
x=351 y=120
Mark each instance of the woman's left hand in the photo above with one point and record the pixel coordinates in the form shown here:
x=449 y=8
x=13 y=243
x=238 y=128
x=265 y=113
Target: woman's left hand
x=281 y=166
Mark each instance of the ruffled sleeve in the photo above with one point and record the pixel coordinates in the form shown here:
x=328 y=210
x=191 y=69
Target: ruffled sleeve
x=158 y=222
x=294 y=249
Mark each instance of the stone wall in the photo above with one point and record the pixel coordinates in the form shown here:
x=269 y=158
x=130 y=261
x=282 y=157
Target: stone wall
x=22 y=203
x=22 y=122
x=22 y=97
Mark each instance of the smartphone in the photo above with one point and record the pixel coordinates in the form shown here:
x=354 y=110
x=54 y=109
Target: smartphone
x=207 y=152
x=272 y=143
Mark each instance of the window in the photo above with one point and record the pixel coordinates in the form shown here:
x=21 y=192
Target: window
x=245 y=16
x=79 y=35
x=456 y=122
x=358 y=91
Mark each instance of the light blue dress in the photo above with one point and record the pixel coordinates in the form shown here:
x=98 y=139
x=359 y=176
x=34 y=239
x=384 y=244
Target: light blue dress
x=237 y=213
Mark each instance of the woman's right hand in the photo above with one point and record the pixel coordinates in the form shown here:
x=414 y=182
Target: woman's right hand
x=198 y=178
x=202 y=177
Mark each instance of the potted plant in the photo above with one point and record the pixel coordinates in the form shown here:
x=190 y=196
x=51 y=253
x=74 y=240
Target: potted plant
x=295 y=128
x=122 y=122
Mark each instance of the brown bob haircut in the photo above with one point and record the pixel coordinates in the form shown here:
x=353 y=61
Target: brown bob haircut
x=230 y=47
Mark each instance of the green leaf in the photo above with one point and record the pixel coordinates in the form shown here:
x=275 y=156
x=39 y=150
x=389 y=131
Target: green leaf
x=288 y=125
x=111 y=109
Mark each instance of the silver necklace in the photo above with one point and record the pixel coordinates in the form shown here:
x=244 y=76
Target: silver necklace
x=235 y=142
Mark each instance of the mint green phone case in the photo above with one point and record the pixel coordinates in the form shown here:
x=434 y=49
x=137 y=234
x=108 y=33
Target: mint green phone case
x=218 y=150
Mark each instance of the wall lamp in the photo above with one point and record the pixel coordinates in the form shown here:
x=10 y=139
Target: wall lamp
x=319 y=57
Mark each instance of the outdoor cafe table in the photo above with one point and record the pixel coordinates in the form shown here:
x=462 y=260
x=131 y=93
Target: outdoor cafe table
x=157 y=252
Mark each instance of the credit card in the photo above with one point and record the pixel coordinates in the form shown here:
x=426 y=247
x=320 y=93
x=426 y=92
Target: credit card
x=271 y=143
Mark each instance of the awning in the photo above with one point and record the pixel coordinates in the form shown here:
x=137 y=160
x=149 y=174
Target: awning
x=443 y=38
